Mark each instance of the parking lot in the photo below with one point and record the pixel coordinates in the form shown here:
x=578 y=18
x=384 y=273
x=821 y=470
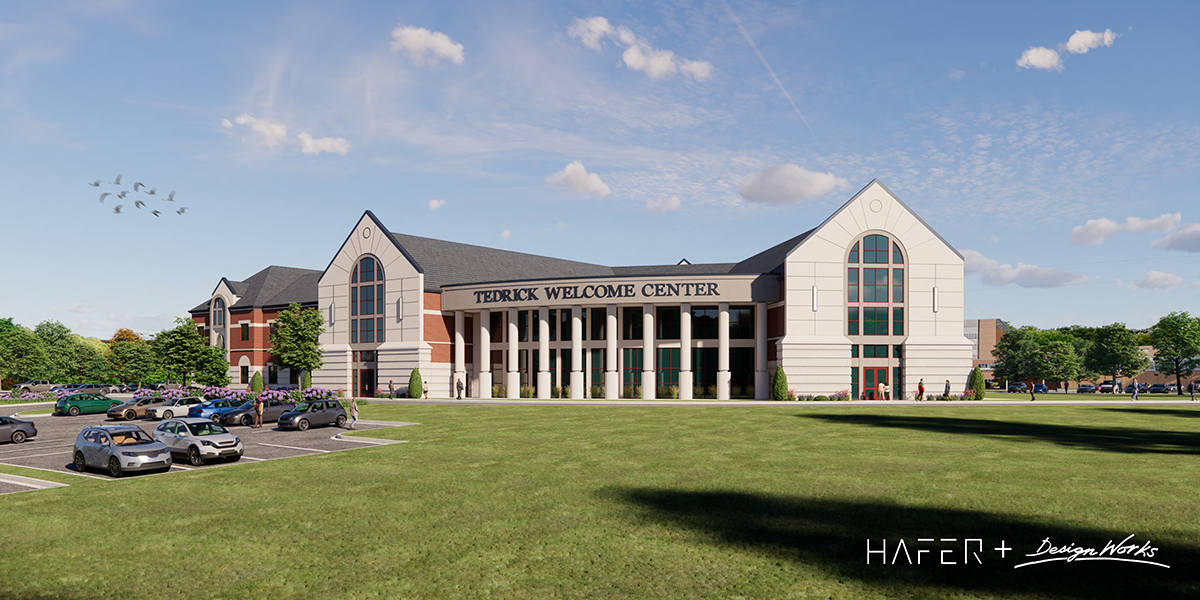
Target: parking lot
x=53 y=447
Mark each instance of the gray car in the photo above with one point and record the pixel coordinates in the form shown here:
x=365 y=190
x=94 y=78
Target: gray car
x=176 y=407
x=244 y=415
x=198 y=440
x=121 y=449
x=316 y=412
x=15 y=430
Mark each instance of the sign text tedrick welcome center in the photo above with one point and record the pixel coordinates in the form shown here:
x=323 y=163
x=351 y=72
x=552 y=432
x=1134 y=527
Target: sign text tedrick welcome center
x=597 y=291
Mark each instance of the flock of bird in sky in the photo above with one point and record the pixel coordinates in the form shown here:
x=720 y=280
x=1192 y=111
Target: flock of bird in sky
x=138 y=203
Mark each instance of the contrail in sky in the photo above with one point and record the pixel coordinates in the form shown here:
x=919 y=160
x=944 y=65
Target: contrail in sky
x=754 y=46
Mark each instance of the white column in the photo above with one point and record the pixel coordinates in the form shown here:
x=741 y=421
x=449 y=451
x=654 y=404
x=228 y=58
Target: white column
x=484 y=341
x=611 y=380
x=460 y=353
x=576 y=353
x=513 y=378
x=762 y=379
x=543 y=376
x=723 y=352
x=648 y=384
x=685 y=352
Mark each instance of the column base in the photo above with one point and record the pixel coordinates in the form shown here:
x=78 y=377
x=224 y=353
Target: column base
x=512 y=383
x=762 y=385
x=722 y=385
x=577 y=385
x=543 y=385
x=612 y=388
x=648 y=385
x=485 y=385
x=685 y=385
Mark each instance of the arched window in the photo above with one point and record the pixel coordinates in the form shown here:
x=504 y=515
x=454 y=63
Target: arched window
x=875 y=288
x=366 y=301
x=218 y=316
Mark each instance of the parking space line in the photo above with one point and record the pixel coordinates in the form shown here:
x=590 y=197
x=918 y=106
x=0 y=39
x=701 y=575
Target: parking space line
x=294 y=448
x=29 y=482
x=244 y=457
x=68 y=472
x=27 y=449
x=37 y=455
x=175 y=466
x=372 y=441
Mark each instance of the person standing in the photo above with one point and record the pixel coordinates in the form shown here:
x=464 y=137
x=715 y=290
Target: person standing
x=946 y=393
x=1066 y=387
x=391 y=389
x=459 y=385
x=1192 y=390
x=1135 y=388
x=921 y=390
x=879 y=394
x=426 y=390
x=353 y=411
x=258 y=412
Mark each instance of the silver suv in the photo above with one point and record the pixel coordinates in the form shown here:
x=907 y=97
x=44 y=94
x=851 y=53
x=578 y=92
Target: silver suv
x=121 y=449
x=34 y=386
x=198 y=440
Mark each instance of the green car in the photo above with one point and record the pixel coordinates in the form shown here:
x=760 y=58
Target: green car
x=84 y=403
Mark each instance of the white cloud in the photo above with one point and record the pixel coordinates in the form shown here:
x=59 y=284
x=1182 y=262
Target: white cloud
x=590 y=31
x=78 y=308
x=638 y=55
x=332 y=145
x=663 y=205
x=784 y=184
x=1097 y=231
x=956 y=74
x=1186 y=238
x=1040 y=57
x=993 y=273
x=505 y=234
x=1157 y=280
x=1082 y=41
x=436 y=204
x=574 y=177
x=273 y=134
x=418 y=42
x=992 y=239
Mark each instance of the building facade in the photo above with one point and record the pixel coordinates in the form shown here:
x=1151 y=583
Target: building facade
x=870 y=296
x=984 y=335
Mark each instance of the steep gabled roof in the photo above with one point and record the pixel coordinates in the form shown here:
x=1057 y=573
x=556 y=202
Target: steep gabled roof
x=770 y=260
x=277 y=286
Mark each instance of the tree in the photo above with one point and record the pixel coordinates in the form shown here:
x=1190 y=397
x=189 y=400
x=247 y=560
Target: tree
x=414 y=384
x=125 y=334
x=22 y=355
x=1057 y=361
x=130 y=361
x=1082 y=348
x=256 y=382
x=977 y=383
x=7 y=325
x=779 y=385
x=179 y=351
x=59 y=343
x=213 y=368
x=1017 y=355
x=1115 y=352
x=1176 y=341
x=296 y=342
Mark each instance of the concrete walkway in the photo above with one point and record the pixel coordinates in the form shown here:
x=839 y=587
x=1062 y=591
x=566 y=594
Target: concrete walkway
x=772 y=403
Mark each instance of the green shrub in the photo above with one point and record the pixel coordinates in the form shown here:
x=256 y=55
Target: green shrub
x=528 y=391
x=597 y=391
x=736 y=391
x=566 y=391
x=256 y=383
x=779 y=385
x=306 y=381
x=821 y=399
x=673 y=391
x=499 y=391
x=414 y=384
x=555 y=391
x=977 y=383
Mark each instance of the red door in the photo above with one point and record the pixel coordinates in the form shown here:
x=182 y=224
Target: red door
x=872 y=377
x=366 y=383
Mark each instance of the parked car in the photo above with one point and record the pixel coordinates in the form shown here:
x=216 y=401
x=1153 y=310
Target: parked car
x=244 y=414
x=1158 y=388
x=34 y=386
x=1040 y=388
x=128 y=388
x=317 y=412
x=1172 y=388
x=1017 y=387
x=205 y=409
x=1107 y=386
x=1086 y=388
x=68 y=388
x=16 y=430
x=198 y=440
x=163 y=386
x=76 y=404
x=175 y=407
x=95 y=388
x=135 y=408
x=121 y=449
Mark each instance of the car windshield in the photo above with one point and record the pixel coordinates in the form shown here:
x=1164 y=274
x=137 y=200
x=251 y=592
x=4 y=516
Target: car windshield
x=247 y=404
x=131 y=437
x=202 y=429
x=303 y=406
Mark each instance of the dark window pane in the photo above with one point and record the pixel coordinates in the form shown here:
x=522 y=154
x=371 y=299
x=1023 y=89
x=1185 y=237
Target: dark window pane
x=353 y=301
x=875 y=249
x=853 y=319
x=897 y=257
x=667 y=323
x=898 y=321
x=599 y=325
x=354 y=275
x=854 y=351
x=631 y=325
x=353 y=331
x=741 y=322
x=565 y=328
x=379 y=299
x=553 y=320
x=854 y=254
x=897 y=285
x=523 y=326
x=378 y=330
x=705 y=321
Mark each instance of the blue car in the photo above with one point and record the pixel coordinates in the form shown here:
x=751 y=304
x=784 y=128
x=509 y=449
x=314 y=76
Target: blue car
x=205 y=409
x=219 y=414
x=1040 y=388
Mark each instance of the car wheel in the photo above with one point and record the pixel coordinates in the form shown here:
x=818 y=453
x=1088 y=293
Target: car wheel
x=130 y=415
x=302 y=425
x=80 y=463
x=73 y=411
x=168 y=414
x=194 y=457
x=341 y=421
x=114 y=467
x=18 y=437
x=246 y=420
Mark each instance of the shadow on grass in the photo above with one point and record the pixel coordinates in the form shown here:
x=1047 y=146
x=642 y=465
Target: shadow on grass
x=1110 y=439
x=1165 y=412
x=832 y=535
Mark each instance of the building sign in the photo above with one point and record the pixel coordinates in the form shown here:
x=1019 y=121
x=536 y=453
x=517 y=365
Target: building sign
x=756 y=288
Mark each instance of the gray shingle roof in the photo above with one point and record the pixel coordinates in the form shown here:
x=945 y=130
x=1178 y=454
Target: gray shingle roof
x=770 y=260
x=685 y=269
x=273 y=286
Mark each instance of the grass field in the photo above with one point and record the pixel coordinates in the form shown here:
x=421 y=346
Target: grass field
x=600 y=502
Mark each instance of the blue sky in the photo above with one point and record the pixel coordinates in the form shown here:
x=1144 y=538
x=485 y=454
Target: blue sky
x=1056 y=144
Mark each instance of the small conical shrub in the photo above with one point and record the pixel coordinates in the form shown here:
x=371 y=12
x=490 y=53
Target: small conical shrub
x=779 y=385
x=977 y=383
x=256 y=384
x=414 y=384
x=306 y=381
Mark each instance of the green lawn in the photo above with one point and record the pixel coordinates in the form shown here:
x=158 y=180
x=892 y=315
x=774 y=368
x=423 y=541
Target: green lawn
x=615 y=502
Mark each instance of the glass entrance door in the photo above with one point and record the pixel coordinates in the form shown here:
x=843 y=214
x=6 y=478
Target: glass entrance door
x=366 y=383
x=872 y=377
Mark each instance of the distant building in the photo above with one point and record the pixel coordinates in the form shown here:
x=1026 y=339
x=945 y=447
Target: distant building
x=984 y=335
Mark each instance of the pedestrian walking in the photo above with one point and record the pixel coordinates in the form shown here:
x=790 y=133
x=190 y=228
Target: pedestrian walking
x=353 y=412
x=879 y=395
x=426 y=390
x=1192 y=390
x=391 y=389
x=946 y=394
x=1066 y=387
x=1135 y=388
x=258 y=412
x=459 y=385
x=921 y=390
